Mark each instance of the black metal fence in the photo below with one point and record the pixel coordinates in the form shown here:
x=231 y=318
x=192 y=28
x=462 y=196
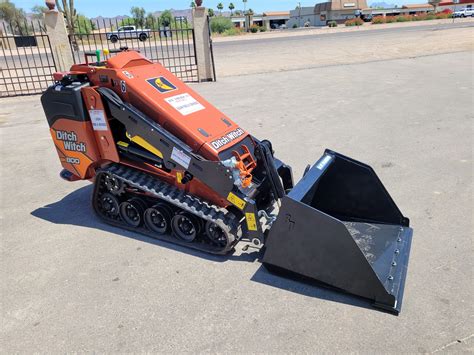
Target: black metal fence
x=26 y=61
x=170 y=43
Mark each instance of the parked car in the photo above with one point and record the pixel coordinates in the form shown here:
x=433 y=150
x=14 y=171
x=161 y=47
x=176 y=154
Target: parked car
x=464 y=12
x=128 y=32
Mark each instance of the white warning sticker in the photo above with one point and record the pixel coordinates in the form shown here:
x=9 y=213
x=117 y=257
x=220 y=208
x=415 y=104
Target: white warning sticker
x=180 y=157
x=185 y=104
x=98 y=120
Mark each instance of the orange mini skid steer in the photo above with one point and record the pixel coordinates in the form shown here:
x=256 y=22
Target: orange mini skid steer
x=168 y=164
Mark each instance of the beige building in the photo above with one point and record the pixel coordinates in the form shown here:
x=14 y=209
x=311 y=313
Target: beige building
x=270 y=20
x=320 y=14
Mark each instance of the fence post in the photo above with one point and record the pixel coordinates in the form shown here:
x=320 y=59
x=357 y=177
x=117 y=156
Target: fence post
x=58 y=36
x=202 y=41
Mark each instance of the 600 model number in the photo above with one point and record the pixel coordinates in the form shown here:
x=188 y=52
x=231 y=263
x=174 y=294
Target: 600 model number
x=229 y=137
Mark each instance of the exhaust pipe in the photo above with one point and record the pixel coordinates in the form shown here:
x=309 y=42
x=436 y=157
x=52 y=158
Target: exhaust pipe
x=340 y=227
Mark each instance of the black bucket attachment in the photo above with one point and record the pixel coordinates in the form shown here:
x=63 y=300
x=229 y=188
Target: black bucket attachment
x=339 y=226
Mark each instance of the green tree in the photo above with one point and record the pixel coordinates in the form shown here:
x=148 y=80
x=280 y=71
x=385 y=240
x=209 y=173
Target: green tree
x=250 y=12
x=38 y=12
x=211 y=12
x=127 y=22
x=220 y=7
x=231 y=8
x=220 y=24
x=66 y=7
x=84 y=26
x=9 y=12
x=14 y=17
x=192 y=5
x=138 y=14
x=151 y=22
x=166 y=18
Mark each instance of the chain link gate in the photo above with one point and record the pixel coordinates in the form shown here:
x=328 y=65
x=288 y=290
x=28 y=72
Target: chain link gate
x=26 y=60
x=171 y=44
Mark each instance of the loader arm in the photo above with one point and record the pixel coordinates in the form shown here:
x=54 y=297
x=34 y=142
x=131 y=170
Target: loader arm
x=176 y=154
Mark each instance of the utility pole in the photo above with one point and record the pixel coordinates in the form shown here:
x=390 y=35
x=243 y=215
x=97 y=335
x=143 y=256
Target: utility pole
x=455 y=2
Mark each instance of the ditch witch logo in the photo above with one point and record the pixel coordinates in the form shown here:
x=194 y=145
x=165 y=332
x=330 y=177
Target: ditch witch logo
x=161 y=84
x=70 y=141
x=229 y=137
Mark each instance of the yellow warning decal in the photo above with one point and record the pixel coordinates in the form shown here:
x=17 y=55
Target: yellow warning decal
x=251 y=222
x=236 y=200
x=161 y=84
x=179 y=177
x=143 y=143
x=122 y=144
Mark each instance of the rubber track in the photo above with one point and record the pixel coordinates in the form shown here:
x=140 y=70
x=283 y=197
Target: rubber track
x=168 y=193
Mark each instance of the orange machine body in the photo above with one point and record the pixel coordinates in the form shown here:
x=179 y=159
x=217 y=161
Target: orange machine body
x=171 y=103
x=162 y=97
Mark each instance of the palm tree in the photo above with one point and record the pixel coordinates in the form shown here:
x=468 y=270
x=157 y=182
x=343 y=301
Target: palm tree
x=192 y=5
x=220 y=7
x=210 y=12
x=231 y=8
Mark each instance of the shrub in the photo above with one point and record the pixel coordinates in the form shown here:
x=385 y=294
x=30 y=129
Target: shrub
x=332 y=24
x=349 y=23
x=404 y=18
x=354 y=22
x=262 y=29
x=220 y=24
x=441 y=16
x=378 y=20
x=234 y=31
x=420 y=17
x=295 y=26
x=254 y=28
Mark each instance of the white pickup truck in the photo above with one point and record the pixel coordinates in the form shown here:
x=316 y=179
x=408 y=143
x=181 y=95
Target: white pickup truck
x=468 y=11
x=128 y=32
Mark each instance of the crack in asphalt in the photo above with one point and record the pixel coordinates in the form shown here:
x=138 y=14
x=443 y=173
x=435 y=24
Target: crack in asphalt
x=457 y=341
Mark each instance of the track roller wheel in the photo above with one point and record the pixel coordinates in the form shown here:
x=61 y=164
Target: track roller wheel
x=185 y=226
x=113 y=184
x=132 y=210
x=216 y=235
x=109 y=204
x=158 y=218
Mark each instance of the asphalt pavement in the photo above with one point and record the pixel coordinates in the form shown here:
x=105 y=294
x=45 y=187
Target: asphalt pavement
x=355 y=33
x=73 y=284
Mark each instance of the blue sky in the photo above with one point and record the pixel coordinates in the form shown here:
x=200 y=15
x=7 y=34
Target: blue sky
x=107 y=8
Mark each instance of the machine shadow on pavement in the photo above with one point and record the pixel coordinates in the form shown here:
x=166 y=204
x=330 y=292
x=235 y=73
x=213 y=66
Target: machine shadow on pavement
x=74 y=209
